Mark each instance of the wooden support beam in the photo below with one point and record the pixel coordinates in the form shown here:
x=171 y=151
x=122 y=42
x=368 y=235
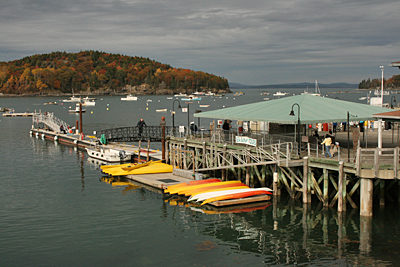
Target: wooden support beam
x=306 y=198
x=326 y=188
x=366 y=197
x=340 y=188
x=315 y=185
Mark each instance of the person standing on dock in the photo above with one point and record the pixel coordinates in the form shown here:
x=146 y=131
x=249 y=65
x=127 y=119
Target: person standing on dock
x=141 y=124
x=193 y=127
x=327 y=141
x=226 y=127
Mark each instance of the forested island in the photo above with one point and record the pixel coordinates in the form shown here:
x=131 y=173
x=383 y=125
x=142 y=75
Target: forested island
x=94 y=72
x=389 y=84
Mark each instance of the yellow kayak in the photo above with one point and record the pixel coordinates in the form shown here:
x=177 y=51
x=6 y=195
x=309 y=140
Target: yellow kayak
x=128 y=169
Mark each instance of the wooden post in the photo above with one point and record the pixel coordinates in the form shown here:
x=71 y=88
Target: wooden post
x=326 y=188
x=162 y=123
x=376 y=161
x=204 y=155
x=247 y=171
x=184 y=154
x=148 y=150
x=224 y=170
x=366 y=198
x=306 y=199
x=340 y=187
x=138 y=159
x=275 y=184
x=80 y=118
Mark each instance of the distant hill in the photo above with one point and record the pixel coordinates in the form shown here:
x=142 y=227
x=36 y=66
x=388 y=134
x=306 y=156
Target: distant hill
x=293 y=85
x=94 y=72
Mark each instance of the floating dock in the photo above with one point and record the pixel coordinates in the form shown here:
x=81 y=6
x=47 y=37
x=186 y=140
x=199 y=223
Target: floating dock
x=24 y=114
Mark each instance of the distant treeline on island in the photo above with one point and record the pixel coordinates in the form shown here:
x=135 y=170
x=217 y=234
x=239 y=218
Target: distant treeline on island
x=94 y=72
x=389 y=84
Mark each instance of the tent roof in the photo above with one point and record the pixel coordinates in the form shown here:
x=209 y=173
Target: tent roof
x=313 y=109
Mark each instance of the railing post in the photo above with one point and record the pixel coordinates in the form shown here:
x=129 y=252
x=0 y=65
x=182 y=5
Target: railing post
x=358 y=162
x=376 y=161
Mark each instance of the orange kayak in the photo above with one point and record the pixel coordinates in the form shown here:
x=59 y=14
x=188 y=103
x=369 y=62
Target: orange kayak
x=186 y=184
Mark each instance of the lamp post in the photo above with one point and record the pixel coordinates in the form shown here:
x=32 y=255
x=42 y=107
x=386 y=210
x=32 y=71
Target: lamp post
x=382 y=68
x=188 y=104
x=173 y=112
x=298 y=125
x=348 y=135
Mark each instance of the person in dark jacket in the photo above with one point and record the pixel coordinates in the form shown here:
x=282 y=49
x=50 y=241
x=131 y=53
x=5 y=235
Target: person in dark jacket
x=141 y=124
x=193 y=127
x=226 y=127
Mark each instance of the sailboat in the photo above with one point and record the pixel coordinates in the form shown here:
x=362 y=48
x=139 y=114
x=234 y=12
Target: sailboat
x=317 y=91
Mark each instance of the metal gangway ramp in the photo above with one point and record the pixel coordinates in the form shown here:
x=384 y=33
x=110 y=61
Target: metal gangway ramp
x=51 y=121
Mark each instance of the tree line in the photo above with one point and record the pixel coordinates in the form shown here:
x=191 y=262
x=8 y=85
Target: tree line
x=391 y=83
x=93 y=71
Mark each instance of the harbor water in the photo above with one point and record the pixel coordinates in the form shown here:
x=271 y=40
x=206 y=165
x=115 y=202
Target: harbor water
x=57 y=209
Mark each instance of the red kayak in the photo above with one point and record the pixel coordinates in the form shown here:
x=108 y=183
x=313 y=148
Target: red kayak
x=237 y=195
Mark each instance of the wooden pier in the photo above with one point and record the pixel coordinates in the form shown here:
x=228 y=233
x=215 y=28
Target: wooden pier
x=337 y=181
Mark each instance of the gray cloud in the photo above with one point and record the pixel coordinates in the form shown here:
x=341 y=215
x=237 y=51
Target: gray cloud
x=256 y=42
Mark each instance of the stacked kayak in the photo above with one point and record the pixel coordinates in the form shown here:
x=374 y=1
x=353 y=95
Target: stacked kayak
x=211 y=190
x=134 y=168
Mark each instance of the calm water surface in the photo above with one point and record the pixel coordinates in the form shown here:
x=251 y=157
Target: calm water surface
x=58 y=210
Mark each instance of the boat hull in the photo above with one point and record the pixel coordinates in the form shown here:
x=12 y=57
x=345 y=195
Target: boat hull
x=109 y=155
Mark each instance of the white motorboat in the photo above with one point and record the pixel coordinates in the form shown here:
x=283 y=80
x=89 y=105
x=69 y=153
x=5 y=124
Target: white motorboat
x=279 y=93
x=109 y=154
x=161 y=110
x=88 y=102
x=180 y=95
x=77 y=109
x=204 y=106
x=73 y=99
x=129 y=98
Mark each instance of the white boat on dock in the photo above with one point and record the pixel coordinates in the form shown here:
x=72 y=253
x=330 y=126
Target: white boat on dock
x=109 y=154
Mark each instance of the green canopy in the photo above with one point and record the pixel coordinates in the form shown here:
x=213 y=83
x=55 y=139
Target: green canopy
x=313 y=109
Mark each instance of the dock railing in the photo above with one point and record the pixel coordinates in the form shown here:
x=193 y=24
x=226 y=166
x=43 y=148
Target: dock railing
x=378 y=159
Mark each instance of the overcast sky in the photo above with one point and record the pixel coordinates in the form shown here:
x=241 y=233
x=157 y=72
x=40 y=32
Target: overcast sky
x=250 y=42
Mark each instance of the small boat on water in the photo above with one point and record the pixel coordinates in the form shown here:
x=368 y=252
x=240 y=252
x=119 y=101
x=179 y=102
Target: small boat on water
x=317 y=91
x=76 y=110
x=161 y=110
x=88 y=102
x=191 y=98
x=73 y=99
x=51 y=103
x=129 y=98
x=180 y=95
x=279 y=93
x=109 y=154
x=204 y=106
x=149 y=100
x=238 y=94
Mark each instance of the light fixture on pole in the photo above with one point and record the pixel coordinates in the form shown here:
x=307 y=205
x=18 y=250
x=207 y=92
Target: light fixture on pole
x=298 y=125
x=173 y=112
x=382 y=68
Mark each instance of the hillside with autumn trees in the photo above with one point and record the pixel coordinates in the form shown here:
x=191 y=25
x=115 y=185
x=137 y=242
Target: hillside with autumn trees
x=389 y=84
x=94 y=72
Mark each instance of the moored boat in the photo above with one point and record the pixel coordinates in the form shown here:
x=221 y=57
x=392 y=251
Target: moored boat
x=129 y=98
x=77 y=109
x=109 y=154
